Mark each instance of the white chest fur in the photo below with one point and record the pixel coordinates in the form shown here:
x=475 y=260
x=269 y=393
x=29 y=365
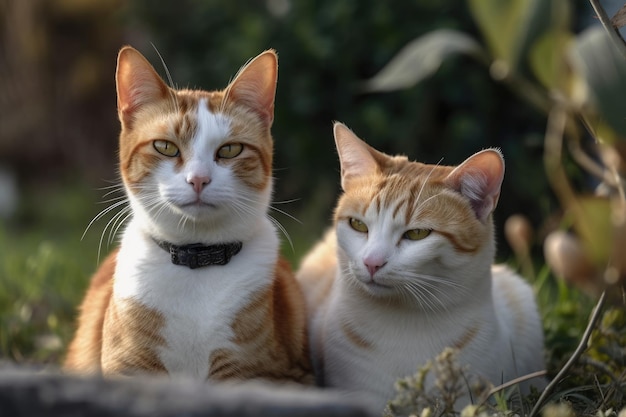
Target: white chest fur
x=197 y=305
x=397 y=343
x=392 y=343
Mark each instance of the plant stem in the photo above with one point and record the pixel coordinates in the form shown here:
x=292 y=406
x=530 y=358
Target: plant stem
x=582 y=345
x=608 y=26
x=515 y=382
x=555 y=131
x=594 y=168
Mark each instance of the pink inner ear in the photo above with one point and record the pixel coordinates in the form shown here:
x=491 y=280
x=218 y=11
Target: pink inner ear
x=255 y=85
x=137 y=82
x=479 y=179
x=355 y=155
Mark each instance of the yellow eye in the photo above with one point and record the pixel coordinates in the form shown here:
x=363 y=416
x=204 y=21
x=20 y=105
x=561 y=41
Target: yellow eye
x=358 y=225
x=165 y=147
x=230 y=151
x=416 y=234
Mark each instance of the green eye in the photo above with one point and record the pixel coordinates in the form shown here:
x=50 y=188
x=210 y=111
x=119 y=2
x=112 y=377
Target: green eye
x=165 y=147
x=358 y=225
x=416 y=234
x=230 y=151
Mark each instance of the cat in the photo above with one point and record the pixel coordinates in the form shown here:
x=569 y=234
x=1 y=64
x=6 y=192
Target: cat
x=196 y=287
x=407 y=271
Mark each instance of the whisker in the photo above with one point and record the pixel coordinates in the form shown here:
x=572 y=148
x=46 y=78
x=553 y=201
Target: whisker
x=419 y=194
x=283 y=230
x=284 y=213
x=112 y=188
x=111 y=200
x=429 y=295
x=102 y=214
x=293 y=200
x=242 y=208
x=245 y=197
x=427 y=200
x=431 y=280
x=161 y=206
x=423 y=300
x=114 y=184
x=103 y=234
x=122 y=216
x=172 y=94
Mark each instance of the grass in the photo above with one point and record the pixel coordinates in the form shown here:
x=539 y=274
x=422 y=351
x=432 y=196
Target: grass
x=45 y=268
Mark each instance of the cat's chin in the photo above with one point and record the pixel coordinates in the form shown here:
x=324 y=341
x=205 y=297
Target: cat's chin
x=198 y=210
x=376 y=289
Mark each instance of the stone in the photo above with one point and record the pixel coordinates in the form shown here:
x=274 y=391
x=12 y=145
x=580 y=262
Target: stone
x=30 y=393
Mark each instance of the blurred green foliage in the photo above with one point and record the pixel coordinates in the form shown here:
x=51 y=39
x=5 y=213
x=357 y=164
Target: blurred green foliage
x=44 y=271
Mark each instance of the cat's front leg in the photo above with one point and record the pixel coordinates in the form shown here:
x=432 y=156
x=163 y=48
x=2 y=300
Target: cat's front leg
x=131 y=337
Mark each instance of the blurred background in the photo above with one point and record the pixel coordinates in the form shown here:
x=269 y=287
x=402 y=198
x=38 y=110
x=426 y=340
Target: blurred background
x=58 y=121
x=59 y=127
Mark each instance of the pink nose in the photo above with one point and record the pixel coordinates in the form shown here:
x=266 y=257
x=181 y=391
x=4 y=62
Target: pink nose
x=373 y=266
x=198 y=182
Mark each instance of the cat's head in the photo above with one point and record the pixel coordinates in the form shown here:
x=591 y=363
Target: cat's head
x=412 y=231
x=197 y=165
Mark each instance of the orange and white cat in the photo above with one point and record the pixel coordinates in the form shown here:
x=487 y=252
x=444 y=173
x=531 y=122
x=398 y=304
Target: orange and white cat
x=407 y=271
x=196 y=287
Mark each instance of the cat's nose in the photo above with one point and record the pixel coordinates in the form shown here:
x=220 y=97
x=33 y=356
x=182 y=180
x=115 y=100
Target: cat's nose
x=198 y=182
x=373 y=266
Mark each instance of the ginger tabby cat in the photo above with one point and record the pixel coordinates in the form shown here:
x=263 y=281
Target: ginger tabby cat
x=197 y=287
x=407 y=271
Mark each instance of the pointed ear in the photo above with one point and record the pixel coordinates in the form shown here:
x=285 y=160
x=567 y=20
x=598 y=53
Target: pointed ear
x=255 y=85
x=356 y=157
x=479 y=179
x=137 y=83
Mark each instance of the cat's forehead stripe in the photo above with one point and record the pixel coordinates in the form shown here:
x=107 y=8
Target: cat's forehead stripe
x=185 y=126
x=416 y=194
x=397 y=193
x=377 y=202
x=399 y=205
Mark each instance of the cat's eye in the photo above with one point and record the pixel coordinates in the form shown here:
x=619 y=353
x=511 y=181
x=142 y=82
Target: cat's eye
x=165 y=147
x=230 y=151
x=416 y=234
x=358 y=225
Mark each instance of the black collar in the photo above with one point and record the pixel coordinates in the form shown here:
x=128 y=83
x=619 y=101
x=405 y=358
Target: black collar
x=197 y=255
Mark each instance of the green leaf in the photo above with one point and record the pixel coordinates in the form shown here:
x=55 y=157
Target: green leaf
x=421 y=58
x=501 y=22
x=511 y=27
x=603 y=67
x=592 y=221
x=548 y=59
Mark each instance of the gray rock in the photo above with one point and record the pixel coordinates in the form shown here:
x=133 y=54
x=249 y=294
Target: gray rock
x=32 y=393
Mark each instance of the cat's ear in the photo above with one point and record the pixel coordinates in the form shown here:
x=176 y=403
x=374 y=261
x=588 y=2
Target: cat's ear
x=479 y=179
x=255 y=85
x=137 y=83
x=356 y=157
